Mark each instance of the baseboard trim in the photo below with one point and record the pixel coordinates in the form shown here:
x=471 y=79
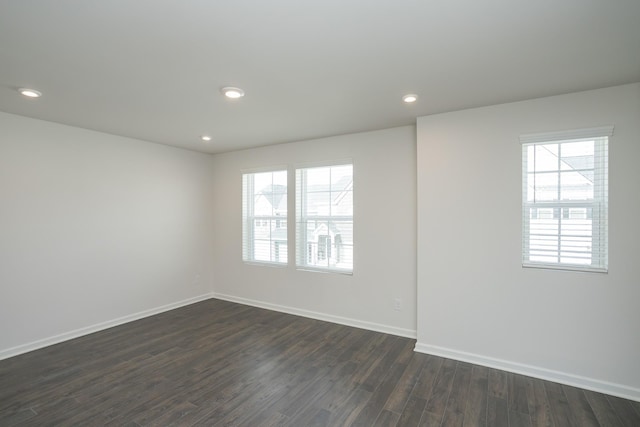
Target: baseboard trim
x=613 y=389
x=56 y=339
x=377 y=327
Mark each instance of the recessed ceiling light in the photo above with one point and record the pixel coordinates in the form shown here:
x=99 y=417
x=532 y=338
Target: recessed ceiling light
x=409 y=98
x=30 y=93
x=232 y=92
x=205 y=138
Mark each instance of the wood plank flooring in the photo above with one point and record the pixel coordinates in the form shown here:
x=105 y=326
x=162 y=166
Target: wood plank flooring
x=217 y=363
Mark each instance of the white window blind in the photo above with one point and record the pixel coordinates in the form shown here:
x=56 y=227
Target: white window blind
x=264 y=217
x=565 y=199
x=324 y=218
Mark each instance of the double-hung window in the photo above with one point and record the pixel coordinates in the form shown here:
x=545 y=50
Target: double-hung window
x=264 y=217
x=565 y=199
x=324 y=218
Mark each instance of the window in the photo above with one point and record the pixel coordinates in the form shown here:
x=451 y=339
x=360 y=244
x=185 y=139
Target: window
x=565 y=199
x=324 y=218
x=264 y=217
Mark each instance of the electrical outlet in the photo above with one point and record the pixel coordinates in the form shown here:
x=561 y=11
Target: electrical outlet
x=397 y=304
x=196 y=279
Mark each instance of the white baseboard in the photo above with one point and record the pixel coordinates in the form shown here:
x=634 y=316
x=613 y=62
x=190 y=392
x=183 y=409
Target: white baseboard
x=45 y=342
x=377 y=327
x=613 y=389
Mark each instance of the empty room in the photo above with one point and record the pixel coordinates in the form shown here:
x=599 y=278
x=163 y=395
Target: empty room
x=319 y=213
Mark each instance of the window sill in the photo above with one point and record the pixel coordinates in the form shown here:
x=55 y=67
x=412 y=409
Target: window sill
x=566 y=267
x=267 y=264
x=325 y=270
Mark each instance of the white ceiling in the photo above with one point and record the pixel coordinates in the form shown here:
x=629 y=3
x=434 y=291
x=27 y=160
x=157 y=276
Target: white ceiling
x=152 y=69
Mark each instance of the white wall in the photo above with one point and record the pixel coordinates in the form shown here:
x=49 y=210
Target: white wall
x=95 y=230
x=384 y=234
x=475 y=301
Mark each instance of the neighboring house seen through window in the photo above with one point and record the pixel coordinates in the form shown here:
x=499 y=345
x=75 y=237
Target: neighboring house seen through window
x=324 y=218
x=565 y=199
x=264 y=217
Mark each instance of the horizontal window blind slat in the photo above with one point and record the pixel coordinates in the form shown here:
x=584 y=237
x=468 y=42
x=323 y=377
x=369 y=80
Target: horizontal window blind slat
x=550 y=137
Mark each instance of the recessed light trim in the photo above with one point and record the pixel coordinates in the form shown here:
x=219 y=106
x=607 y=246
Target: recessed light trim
x=232 y=92
x=410 y=98
x=30 y=93
x=205 y=138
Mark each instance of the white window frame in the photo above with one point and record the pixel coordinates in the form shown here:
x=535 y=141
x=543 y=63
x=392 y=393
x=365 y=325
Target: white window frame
x=302 y=218
x=598 y=205
x=250 y=221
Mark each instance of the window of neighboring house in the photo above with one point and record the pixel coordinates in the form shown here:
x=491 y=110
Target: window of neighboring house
x=324 y=218
x=565 y=199
x=264 y=217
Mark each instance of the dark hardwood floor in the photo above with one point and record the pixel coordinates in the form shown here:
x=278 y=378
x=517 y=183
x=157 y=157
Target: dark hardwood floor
x=217 y=363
